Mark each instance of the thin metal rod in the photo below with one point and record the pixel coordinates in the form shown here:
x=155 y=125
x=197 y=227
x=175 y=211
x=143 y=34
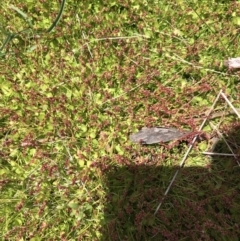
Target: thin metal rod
x=187 y=152
x=218 y=154
x=224 y=139
x=230 y=104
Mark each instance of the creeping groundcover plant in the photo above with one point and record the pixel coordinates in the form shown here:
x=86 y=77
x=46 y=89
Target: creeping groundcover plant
x=78 y=78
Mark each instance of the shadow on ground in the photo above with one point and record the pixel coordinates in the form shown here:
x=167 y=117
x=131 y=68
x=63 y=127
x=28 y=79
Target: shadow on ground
x=203 y=204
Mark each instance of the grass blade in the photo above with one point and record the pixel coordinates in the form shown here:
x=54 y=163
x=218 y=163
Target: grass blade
x=21 y=13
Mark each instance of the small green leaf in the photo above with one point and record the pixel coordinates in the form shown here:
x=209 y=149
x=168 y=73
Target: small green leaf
x=6 y=90
x=73 y=205
x=83 y=128
x=119 y=149
x=236 y=20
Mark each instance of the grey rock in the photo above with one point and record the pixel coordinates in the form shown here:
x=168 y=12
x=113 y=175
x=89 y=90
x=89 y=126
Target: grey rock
x=157 y=134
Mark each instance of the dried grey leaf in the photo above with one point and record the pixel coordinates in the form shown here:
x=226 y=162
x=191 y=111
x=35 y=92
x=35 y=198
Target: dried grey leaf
x=157 y=134
x=233 y=63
